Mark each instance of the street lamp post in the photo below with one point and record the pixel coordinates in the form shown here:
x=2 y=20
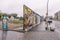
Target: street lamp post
x=47 y=15
x=47 y=6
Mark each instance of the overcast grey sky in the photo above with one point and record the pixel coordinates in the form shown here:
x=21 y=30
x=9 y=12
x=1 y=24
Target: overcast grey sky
x=11 y=6
x=39 y=6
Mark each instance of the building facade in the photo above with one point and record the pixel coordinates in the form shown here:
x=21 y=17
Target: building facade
x=57 y=15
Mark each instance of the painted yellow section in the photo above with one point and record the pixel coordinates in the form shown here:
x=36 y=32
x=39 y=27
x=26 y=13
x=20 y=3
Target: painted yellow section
x=33 y=19
x=29 y=11
x=25 y=11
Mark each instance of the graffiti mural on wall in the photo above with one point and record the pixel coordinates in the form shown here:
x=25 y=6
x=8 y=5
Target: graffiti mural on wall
x=29 y=17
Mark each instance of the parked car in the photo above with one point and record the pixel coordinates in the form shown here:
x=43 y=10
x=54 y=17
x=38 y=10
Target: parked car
x=52 y=26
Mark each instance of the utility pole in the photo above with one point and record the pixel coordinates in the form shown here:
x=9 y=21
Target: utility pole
x=47 y=16
x=57 y=16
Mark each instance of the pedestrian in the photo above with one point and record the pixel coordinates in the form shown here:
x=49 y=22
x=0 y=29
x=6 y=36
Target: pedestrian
x=4 y=24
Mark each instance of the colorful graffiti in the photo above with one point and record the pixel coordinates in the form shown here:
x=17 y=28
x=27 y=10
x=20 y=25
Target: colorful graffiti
x=29 y=17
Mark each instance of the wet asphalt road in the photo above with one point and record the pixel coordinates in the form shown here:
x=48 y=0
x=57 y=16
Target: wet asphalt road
x=37 y=33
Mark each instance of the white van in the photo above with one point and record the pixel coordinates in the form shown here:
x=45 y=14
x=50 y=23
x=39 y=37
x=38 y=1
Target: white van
x=52 y=26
